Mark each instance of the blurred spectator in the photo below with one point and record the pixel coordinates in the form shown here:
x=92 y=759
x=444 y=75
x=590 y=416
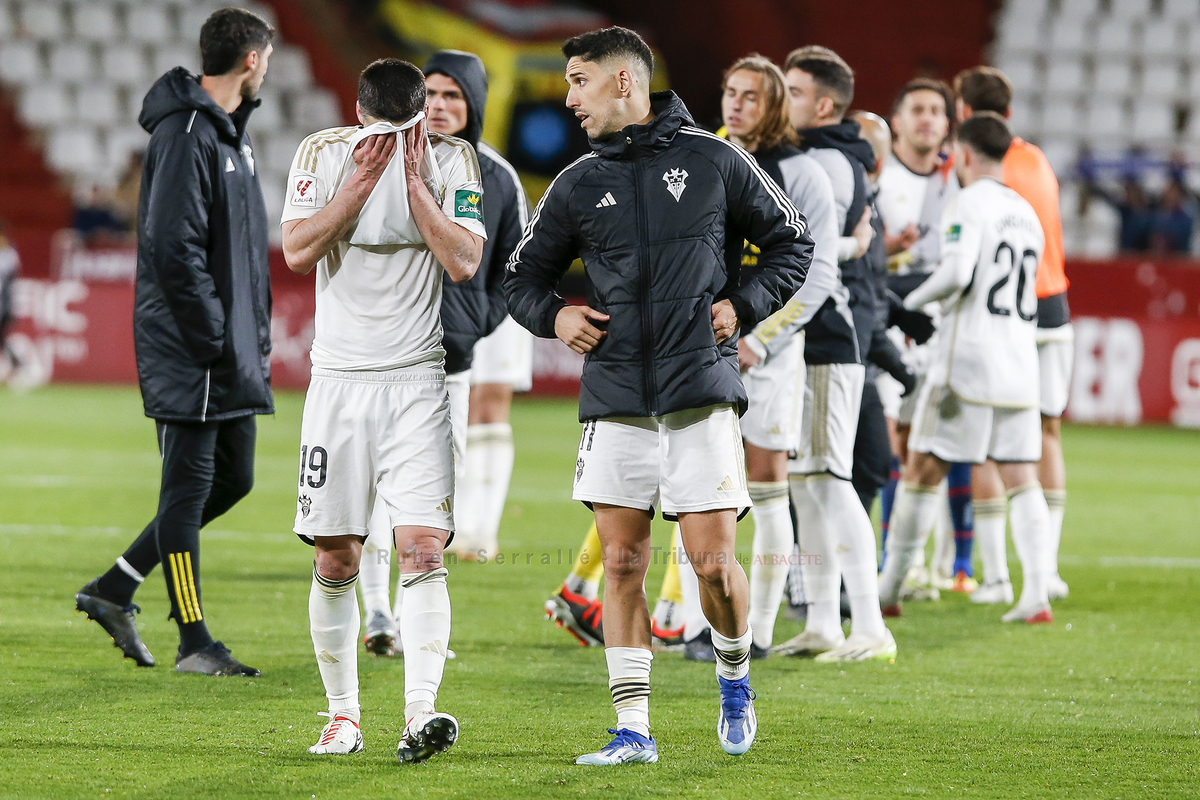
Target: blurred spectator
x=10 y=265
x=1171 y=226
x=96 y=218
x=1137 y=217
x=125 y=198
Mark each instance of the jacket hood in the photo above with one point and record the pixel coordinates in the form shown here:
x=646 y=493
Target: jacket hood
x=467 y=71
x=180 y=90
x=670 y=114
x=844 y=136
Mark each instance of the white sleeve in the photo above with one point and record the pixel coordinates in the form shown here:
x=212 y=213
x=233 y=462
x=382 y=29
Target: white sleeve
x=462 y=200
x=307 y=190
x=962 y=237
x=847 y=248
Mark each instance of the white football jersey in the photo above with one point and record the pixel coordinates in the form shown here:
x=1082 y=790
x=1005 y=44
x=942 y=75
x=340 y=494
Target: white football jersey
x=379 y=306
x=905 y=198
x=986 y=350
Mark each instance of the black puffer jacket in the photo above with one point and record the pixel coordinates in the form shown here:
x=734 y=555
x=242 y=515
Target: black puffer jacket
x=472 y=309
x=658 y=213
x=202 y=305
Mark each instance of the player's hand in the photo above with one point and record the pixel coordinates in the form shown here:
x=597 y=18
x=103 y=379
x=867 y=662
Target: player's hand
x=574 y=327
x=747 y=358
x=372 y=156
x=908 y=379
x=416 y=139
x=863 y=233
x=724 y=320
x=903 y=240
x=916 y=325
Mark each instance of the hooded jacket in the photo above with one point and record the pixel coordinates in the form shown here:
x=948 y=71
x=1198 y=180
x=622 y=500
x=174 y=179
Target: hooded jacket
x=472 y=309
x=658 y=213
x=202 y=302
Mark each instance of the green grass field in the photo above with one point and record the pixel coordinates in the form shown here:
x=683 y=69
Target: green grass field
x=1101 y=704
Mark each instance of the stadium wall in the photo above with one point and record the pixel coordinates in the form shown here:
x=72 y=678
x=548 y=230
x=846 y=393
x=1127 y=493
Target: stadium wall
x=1137 y=334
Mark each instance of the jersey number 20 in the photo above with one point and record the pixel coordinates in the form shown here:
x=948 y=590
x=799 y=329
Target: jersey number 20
x=1024 y=277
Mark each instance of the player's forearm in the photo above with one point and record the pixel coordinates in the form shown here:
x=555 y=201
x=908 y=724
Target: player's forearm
x=457 y=249
x=310 y=240
x=943 y=282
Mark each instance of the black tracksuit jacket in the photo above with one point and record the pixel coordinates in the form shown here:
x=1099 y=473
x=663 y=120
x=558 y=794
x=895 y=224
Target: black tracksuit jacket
x=657 y=213
x=202 y=302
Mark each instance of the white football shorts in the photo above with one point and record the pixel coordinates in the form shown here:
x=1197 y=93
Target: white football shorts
x=957 y=431
x=375 y=433
x=506 y=356
x=776 y=392
x=1056 y=358
x=832 y=400
x=681 y=462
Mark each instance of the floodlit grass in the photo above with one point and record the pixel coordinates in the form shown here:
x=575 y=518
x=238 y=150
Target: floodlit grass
x=1099 y=704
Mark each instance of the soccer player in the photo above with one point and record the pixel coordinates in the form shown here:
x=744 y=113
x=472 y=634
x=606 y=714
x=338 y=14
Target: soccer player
x=1029 y=174
x=202 y=329
x=456 y=87
x=658 y=211
x=837 y=541
x=914 y=188
x=979 y=400
x=379 y=211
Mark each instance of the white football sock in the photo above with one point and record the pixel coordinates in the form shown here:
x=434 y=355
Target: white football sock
x=819 y=561
x=733 y=655
x=629 y=683
x=375 y=566
x=425 y=631
x=694 y=621
x=915 y=510
x=1031 y=538
x=489 y=470
x=774 y=539
x=333 y=622
x=844 y=513
x=1056 y=500
x=942 y=563
x=991 y=519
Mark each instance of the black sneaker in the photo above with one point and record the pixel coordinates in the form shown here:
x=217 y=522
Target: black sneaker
x=578 y=616
x=700 y=648
x=117 y=621
x=213 y=660
x=758 y=653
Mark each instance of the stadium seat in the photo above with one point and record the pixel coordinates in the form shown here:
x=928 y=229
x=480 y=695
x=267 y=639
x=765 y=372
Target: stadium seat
x=289 y=68
x=124 y=141
x=43 y=105
x=20 y=62
x=1153 y=120
x=1068 y=36
x=1126 y=10
x=72 y=62
x=1060 y=117
x=1062 y=153
x=1161 y=80
x=1113 y=78
x=270 y=115
x=1022 y=12
x=1026 y=119
x=42 y=20
x=95 y=21
x=192 y=17
x=1186 y=10
x=283 y=144
x=1105 y=118
x=74 y=149
x=125 y=64
x=99 y=104
x=167 y=57
x=1064 y=76
x=1022 y=73
x=1017 y=35
x=149 y=23
x=1161 y=39
x=7 y=29
x=315 y=109
x=1113 y=37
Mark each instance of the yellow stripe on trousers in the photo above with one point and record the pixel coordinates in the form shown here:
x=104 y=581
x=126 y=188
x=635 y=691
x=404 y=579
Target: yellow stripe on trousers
x=195 y=596
x=183 y=609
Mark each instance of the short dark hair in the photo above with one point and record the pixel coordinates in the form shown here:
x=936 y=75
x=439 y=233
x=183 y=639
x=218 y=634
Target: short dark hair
x=984 y=89
x=986 y=133
x=228 y=36
x=391 y=89
x=609 y=42
x=829 y=71
x=926 y=85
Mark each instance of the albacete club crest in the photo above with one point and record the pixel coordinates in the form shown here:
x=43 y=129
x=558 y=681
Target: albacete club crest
x=675 y=179
x=305 y=505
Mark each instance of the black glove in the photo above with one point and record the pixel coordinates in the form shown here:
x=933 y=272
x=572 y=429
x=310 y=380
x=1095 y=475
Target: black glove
x=916 y=325
x=908 y=379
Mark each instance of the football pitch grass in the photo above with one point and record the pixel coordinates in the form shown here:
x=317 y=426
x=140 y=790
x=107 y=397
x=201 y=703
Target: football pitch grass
x=1101 y=704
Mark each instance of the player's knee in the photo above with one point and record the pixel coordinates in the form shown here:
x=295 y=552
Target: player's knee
x=622 y=565
x=711 y=568
x=336 y=564
x=421 y=552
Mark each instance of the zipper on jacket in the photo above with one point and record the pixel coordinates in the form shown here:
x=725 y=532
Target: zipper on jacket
x=643 y=220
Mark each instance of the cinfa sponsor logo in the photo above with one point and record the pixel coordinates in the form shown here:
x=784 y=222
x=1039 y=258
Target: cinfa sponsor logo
x=676 y=181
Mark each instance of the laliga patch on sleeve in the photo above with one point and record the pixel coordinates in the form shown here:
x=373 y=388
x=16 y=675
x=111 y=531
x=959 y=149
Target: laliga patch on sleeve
x=466 y=204
x=953 y=234
x=304 y=191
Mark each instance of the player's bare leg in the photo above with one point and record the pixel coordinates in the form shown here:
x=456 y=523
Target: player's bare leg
x=1052 y=473
x=333 y=622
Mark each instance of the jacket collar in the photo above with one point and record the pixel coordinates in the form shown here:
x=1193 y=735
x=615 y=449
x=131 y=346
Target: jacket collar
x=670 y=115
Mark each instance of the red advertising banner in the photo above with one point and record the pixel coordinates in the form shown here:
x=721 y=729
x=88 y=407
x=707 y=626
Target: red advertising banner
x=1137 y=339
